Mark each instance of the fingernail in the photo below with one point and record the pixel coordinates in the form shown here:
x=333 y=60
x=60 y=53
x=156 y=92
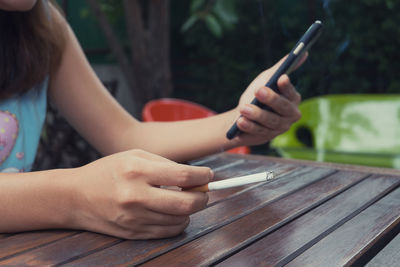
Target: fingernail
x=247 y=110
x=211 y=175
x=245 y=124
x=262 y=92
x=284 y=76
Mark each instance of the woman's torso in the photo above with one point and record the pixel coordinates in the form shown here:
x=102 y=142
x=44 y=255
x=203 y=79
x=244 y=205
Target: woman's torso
x=21 y=122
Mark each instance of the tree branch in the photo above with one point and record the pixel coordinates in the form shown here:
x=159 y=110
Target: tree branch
x=115 y=45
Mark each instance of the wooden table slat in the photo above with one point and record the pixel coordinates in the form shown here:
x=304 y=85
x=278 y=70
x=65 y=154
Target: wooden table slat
x=133 y=252
x=389 y=256
x=319 y=164
x=314 y=214
x=18 y=243
x=345 y=245
x=216 y=245
x=294 y=238
x=62 y=251
x=219 y=161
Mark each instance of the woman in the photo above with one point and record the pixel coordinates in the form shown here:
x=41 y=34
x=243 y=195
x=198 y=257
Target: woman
x=120 y=193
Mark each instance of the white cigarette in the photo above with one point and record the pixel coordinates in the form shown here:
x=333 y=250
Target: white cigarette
x=234 y=182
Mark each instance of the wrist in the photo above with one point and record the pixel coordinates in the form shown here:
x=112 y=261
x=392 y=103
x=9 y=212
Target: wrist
x=65 y=191
x=36 y=200
x=230 y=119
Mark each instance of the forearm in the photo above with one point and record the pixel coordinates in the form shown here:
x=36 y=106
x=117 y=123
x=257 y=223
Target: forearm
x=99 y=118
x=36 y=200
x=183 y=140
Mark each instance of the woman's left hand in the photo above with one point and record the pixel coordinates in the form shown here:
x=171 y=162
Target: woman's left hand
x=258 y=125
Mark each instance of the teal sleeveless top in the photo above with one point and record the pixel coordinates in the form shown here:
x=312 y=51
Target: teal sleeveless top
x=21 y=122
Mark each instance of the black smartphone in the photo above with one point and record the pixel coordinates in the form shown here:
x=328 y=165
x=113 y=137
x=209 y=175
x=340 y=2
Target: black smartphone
x=305 y=42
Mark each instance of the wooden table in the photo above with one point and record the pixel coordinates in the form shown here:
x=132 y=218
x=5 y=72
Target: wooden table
x=312 y=214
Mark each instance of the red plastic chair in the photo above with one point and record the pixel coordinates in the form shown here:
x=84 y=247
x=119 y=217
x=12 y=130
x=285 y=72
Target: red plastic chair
x=171 y=109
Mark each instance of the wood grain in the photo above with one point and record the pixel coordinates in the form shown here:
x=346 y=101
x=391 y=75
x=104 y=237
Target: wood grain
x=352 y=240
x=292 y=239
x=331 y=165
x=203 y=222
x=218 y=161
x=59 y=252
x=388 y=256
x=232 y=237
x=314 y=214
x=15 y=244
x=4 y=235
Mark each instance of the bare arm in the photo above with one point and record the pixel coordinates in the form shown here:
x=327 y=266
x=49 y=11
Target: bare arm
x=82 y=99
x=87 y=105
x=37 y=200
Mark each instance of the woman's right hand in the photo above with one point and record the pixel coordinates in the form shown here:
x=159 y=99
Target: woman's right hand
x=120 y=195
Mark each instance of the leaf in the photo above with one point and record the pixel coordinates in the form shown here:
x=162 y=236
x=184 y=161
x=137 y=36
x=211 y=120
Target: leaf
x=213 y=25
x=225 y=11
x=390 y=4
x=84 y=13
x=189 y=23
x=196 y=4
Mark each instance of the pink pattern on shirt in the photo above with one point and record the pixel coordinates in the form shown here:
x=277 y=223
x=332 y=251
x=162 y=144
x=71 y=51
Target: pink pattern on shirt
x=8 y=134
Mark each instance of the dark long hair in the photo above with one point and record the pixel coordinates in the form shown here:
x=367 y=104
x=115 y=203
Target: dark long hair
x=31 y=45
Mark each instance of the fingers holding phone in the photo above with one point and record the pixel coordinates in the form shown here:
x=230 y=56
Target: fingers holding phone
x=259 y=124
x=292 y=61
x=287 y=90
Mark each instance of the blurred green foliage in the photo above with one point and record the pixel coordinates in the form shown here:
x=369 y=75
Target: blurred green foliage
x=217 y=15
x=219 y=46
x=357 y=52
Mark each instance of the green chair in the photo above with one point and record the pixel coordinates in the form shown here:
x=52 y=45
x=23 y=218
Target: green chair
x=354 y=129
